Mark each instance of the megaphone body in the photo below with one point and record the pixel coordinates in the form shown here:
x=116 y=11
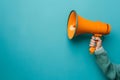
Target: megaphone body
x=78 y=25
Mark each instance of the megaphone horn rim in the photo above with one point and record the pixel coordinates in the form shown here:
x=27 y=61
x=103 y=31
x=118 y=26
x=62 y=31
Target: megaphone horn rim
x=76 y=24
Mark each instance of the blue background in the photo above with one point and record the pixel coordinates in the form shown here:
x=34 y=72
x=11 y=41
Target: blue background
x=34 y=43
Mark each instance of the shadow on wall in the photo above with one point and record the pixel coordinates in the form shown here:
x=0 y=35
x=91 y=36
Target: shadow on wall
x=80 y=38
x=79 y=42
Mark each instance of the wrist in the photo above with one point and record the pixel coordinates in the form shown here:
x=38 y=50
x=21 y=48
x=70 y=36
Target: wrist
x=98 y=47
x=100 y=51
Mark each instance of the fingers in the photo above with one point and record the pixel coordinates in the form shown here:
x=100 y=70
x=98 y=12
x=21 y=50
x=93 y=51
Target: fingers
x=95 y=42
x=96 y=38
x=92 y=42
x=93 y=37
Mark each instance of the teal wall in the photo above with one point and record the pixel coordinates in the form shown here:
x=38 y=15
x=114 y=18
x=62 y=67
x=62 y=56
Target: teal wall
x=34 y=43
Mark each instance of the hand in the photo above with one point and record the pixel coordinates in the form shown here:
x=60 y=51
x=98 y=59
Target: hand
x=95 y=41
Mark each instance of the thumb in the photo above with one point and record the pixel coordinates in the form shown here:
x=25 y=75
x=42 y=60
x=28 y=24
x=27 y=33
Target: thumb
x=98 y=42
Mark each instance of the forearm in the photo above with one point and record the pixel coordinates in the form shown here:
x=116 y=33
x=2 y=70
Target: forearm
x=105 y=64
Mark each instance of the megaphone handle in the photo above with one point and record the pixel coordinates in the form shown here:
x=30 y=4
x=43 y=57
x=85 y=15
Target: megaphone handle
x=92 y=48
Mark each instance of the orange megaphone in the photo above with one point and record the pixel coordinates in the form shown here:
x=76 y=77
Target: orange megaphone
x=77 y=25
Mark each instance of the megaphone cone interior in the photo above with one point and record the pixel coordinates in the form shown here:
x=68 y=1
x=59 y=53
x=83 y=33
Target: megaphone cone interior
x=71 y=26
x=78 y=25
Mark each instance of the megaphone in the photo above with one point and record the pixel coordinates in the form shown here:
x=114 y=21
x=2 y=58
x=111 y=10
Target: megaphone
x=77 y=25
